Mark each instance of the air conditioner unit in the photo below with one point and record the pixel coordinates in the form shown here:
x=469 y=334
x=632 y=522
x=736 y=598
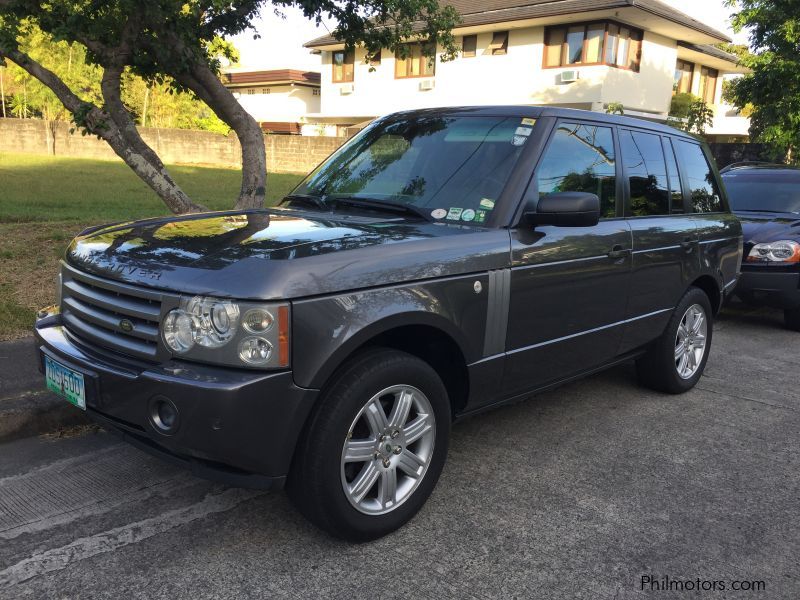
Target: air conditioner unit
x=346 y=89
x=425 y=85
x=568 y=76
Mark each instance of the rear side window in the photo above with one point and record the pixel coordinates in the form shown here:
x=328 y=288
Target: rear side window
x=702 y=183
x=580 y=158
x=646 y=170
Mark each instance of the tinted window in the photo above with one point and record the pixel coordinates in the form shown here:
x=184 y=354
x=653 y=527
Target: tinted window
x=764 y=190
x=453 y=167
x=674 y=178
x=580 y=158
x=646 y=170
x=702 y=184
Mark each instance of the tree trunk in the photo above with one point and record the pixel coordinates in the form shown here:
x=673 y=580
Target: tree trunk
x=110 y=86
x=205 y=83
x=3 y=90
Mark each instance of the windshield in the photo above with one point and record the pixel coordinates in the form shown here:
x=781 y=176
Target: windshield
x=448 y=167
x=768 y=191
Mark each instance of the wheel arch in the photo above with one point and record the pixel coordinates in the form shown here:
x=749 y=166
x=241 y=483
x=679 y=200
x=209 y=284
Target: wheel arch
x=712 y=289
x=428 y=336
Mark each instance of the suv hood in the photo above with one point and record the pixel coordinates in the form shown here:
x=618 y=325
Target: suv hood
x=283 y=253
x=759 y=227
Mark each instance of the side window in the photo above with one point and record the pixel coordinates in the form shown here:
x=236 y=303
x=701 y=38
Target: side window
x=702 y=184
x=646 y=170
x=676 y=194
x=580 y=158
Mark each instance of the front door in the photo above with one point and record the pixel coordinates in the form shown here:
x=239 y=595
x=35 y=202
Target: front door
x=569 y=286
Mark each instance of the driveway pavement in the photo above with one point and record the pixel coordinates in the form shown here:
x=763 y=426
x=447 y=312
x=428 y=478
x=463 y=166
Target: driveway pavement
x=578 y=493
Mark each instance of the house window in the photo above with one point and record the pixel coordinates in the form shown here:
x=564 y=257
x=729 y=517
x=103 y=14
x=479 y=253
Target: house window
x=415 y=64
x=375 y=60
x=469 y=46
x=684 y=71
x=265 y=90
x=250 y=91
x=343 y=63
x=499 y=43
x=315 y=91
x=708 y=84
x=593 y=44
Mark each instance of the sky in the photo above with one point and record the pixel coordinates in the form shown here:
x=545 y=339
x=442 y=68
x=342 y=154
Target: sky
x=281 y=42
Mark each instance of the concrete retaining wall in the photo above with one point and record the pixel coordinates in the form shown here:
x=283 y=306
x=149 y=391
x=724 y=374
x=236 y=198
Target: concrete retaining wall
x=285 y=153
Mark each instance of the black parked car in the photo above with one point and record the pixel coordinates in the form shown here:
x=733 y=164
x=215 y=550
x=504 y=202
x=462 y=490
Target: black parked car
x=440 y=263
x=766 y=198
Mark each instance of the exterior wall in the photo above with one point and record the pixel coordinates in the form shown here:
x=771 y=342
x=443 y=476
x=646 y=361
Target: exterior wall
x=517 y=77
x=284 y=103
x=285 y=154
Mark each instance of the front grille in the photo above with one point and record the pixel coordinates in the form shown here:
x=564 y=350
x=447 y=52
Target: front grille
x=112 y=315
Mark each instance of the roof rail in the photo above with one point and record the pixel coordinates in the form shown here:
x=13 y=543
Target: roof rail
x=753 y=163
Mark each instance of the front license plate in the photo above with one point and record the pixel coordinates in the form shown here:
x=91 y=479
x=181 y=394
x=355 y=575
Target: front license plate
x=65 y=382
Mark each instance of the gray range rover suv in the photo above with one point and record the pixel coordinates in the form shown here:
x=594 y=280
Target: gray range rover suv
x=442 y=262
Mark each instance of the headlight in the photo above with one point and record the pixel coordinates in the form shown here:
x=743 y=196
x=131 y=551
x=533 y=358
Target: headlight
x=784 y=251
x=225 y=332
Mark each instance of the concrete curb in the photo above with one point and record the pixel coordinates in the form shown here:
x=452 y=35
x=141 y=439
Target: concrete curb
x=26 y=407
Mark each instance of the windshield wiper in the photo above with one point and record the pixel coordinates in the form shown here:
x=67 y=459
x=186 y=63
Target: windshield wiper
x=384 y=205
x=308 y=199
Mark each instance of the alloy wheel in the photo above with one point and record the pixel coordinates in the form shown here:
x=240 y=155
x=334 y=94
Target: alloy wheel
x=388 y=449
x=690 y=341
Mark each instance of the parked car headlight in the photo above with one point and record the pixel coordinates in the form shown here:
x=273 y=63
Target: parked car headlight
x=784 y=251
x=230 y=333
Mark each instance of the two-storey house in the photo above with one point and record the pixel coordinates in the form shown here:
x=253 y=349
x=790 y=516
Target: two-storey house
x=572 y=53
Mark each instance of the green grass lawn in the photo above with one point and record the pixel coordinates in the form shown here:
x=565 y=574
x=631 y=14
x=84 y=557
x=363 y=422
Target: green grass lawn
x=45 y=201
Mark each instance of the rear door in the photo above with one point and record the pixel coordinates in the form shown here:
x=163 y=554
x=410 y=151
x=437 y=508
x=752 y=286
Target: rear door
x=718 y=230
x=569 y=285
x=665 y=239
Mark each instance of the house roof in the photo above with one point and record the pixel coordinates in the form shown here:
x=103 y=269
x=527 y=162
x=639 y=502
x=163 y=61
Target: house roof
x=485 y=12
x=710 y=51
x=273 y=77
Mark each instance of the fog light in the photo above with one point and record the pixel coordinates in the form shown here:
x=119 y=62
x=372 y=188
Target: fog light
x=255 y=350
x=164 y=415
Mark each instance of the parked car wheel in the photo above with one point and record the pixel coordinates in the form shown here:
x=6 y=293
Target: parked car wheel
x=676 y=361
x=374 y=448
x=791 y=317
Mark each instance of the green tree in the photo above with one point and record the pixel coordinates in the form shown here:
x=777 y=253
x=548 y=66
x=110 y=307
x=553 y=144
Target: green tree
x=177 y=42
x=690 y=113
x=770 y=93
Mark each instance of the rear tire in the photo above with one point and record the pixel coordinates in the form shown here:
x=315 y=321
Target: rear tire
x=791 y=317
x=375 y=446
x=676 y=361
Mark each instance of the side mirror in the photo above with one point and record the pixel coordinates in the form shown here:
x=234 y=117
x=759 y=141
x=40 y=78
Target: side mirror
x=565 y=209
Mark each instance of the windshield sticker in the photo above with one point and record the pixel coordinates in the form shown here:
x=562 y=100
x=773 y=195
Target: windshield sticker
x=519 y=140
x=455 y=213
x=487 y=203
x=526 y=131
x=468 y=215
x=480 y=216
x=530 y=122
x=439 y=213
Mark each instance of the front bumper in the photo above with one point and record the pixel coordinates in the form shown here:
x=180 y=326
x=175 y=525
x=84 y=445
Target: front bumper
x=778 y=289
x=235 y=426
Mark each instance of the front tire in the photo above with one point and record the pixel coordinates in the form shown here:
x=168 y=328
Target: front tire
x=374 y=448
x=676 y=361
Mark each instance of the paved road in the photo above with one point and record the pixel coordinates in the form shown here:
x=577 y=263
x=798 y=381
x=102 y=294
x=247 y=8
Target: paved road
x=575 y=494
